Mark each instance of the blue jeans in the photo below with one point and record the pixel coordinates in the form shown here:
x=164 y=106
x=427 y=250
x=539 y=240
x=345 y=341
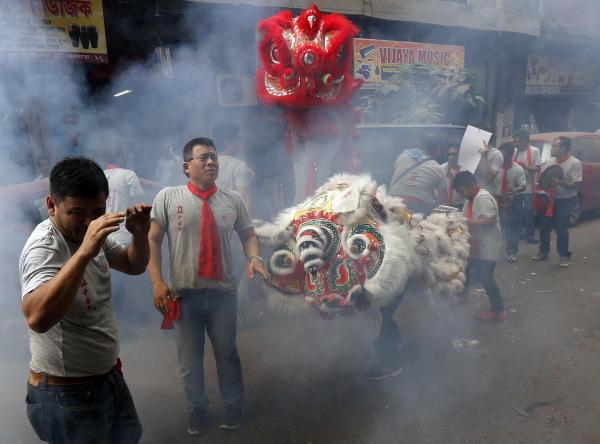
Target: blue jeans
x=560 y=223
x=213 y=312
x=101 y=412
x=528 y=223
x=483 y=270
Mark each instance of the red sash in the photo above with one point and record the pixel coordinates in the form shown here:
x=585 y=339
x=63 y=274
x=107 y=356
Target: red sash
x=210 y=263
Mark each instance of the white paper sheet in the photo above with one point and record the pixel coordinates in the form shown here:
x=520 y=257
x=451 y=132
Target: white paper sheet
x=469 y=155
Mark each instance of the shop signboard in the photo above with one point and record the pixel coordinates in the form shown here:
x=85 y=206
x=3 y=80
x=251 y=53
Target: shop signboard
x=557 y=76
x=380 y=61
x=58 y=28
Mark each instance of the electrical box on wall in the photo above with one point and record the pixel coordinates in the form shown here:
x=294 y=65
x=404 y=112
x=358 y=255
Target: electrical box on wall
x=236 y=90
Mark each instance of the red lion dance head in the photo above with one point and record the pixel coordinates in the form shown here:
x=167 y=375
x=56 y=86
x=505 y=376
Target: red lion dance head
x=306 y=62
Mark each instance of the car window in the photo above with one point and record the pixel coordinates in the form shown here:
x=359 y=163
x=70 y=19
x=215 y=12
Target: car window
x=586 y=149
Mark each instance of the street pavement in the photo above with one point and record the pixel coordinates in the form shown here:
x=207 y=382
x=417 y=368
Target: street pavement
x=532 y=379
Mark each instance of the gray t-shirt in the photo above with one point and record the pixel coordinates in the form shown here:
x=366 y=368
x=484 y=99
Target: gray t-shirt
x=573 y=173
x=536 y=160
x=515 y=179
x=233 y=173
x=495 y=160
x=179 y=213
x=425 y=182
x=487 y=239
x=84 y=341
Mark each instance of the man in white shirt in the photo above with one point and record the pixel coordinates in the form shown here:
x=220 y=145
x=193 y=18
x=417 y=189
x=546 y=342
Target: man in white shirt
x=481 y=211
x=125 y=191
x=563 y=197
x=168 y=166
x=234 y=173
x=199 y=296
x=529 y=158
x=508 y=185
x=489 y=167
x=76 y=392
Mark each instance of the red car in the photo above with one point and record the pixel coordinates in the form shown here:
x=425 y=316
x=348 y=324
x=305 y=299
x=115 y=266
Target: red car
x=586 y=148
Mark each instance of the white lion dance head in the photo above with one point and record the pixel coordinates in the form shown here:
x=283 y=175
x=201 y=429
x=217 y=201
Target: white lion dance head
x=353 y=247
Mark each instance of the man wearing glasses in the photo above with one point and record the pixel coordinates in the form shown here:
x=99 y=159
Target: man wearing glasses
x=200 y=294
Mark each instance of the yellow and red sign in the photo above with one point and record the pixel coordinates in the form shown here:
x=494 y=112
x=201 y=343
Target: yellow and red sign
x=60 y=28
x=379 y=61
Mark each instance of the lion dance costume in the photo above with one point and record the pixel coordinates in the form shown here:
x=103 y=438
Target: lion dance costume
x=349 y=246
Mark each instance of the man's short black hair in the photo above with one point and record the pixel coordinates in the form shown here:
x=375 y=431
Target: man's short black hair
x=464 y=179
x=522 y=135
x=188 y=149
x=78 y=177
x=565 y=143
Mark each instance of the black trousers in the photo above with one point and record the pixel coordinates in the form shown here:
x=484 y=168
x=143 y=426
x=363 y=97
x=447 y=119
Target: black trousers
x=511 y=219
x=484 y=271
x=387 y=344
x=559 y=222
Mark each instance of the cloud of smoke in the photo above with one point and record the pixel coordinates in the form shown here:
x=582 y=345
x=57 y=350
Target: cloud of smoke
x=47 y=108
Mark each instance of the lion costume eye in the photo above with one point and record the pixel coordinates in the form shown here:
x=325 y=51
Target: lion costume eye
x=275 y=54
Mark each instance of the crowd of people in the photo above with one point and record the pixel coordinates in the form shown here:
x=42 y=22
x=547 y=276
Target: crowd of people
x=497 y=200
x=97 y=222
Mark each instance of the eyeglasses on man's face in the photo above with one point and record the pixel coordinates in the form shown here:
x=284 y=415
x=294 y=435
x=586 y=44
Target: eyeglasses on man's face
x=204 y=157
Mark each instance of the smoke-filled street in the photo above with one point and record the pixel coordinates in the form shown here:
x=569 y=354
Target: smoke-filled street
x=531 y=380
x=275 y=221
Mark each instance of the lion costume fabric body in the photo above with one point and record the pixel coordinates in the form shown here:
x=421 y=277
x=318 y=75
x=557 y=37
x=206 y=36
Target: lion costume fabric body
x=353 y=247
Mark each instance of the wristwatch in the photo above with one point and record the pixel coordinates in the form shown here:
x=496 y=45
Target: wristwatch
x=256 y=258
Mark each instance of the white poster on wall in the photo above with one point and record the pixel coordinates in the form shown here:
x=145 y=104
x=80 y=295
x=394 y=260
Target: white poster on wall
x=473 y=141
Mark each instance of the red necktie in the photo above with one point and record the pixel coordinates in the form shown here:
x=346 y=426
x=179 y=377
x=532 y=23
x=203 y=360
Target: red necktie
x=552 y=193
x=210 y=263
